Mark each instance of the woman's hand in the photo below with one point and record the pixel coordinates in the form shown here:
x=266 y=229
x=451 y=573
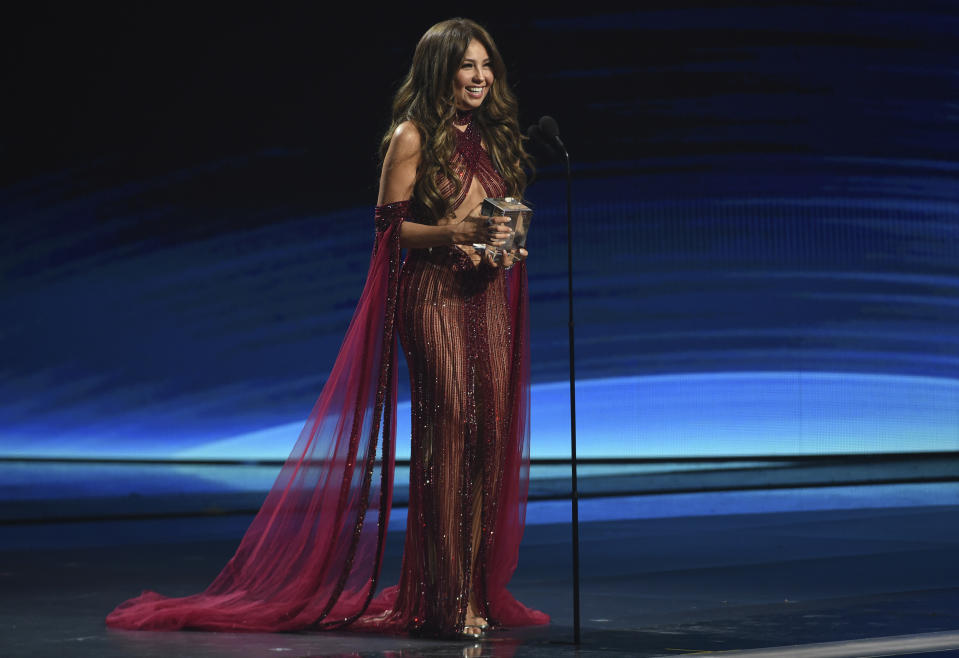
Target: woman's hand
x=514 y=256
x=476 y=229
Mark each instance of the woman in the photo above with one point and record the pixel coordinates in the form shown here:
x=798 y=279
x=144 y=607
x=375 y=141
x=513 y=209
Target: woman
x=311 y=557
x=454 y=141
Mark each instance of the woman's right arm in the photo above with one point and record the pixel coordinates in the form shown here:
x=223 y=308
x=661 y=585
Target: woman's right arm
x=396 y=184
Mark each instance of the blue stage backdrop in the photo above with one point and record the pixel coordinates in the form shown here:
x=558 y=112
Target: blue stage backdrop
x=766 y=229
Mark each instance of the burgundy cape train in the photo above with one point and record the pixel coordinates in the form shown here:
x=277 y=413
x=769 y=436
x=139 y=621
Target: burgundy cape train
x=311 y=558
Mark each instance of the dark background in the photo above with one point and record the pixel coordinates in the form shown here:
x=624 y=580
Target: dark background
x=765 y=203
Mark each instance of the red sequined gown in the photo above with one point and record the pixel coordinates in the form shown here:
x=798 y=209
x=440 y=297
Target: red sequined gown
x=310 y=559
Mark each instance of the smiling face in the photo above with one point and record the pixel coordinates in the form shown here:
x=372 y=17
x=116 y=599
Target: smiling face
x=474 y=78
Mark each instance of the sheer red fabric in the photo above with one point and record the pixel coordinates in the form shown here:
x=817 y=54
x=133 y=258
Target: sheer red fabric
x=310 y=559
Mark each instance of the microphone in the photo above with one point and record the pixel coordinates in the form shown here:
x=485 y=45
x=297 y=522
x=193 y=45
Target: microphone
x=539 y=136
x=550 y=129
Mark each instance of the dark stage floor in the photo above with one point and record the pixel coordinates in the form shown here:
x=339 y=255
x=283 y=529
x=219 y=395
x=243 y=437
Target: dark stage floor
x=651 y=587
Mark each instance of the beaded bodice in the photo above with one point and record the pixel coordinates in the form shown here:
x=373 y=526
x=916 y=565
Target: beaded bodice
x=470 y=160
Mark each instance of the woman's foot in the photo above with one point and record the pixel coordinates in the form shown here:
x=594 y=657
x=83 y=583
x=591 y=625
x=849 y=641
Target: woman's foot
x=473 y=632
x=474 y=620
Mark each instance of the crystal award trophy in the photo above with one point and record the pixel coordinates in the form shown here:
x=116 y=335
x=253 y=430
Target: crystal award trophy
x=519 y=215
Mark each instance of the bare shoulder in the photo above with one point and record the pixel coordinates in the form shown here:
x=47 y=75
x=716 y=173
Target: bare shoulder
x=406 y=142
x=399 y=165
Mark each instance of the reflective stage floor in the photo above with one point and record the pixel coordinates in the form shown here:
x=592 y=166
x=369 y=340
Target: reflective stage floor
x=663 y=576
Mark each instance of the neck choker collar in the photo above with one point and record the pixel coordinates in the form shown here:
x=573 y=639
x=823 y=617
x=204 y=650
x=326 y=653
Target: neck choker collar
x=463 y=117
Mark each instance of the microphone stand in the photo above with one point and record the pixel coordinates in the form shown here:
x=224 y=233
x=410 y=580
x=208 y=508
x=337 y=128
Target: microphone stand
x=572 y=390
x=547 y=133
x=572 y=395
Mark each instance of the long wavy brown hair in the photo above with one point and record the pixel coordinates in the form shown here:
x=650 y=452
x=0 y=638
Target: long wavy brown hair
x=426 y=98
